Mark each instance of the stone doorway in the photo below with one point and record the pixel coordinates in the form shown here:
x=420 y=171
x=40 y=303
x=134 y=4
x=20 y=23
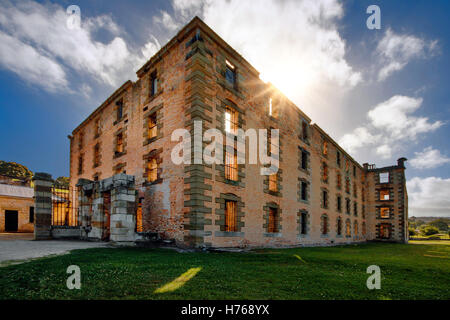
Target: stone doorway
x=11 y=220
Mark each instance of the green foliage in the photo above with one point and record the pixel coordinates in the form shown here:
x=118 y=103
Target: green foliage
x=428 y=230
x=62 y=182
x=15 y=170
x=412 y=232
x=441 y=224
x=419 y=223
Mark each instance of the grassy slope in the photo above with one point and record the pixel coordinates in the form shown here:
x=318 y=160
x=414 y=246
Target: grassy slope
x=415 y=271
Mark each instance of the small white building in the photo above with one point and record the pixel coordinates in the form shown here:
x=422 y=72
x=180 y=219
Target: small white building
x=16 y=208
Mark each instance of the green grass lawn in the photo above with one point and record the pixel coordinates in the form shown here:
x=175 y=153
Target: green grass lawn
x=415 y=271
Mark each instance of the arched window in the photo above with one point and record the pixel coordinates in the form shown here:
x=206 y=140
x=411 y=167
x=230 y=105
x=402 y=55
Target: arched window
x=152 y=169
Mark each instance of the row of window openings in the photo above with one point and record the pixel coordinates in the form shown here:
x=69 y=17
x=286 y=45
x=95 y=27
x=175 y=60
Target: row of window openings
x=119 y=147
x=348 y=231
x=119 y=112
x=232 y=122
x=273 y=221
x=231 y=221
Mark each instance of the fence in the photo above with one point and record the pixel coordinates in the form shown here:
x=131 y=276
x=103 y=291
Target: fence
x=65 y=206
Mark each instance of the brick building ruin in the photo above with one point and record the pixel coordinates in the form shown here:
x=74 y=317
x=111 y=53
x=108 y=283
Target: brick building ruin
x=320 y=194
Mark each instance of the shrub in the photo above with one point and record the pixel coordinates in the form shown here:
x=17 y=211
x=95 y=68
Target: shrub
x=412 y=232
x=429 y=230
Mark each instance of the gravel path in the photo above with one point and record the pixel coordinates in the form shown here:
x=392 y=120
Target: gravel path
x=19 y=247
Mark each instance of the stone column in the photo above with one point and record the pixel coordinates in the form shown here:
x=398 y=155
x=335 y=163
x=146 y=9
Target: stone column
x=85 y=194
x=123 y=208
x=43 y=183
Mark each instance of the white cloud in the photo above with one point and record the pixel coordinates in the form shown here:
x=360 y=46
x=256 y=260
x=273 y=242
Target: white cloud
x=24 y=60
x=358 y=138
x=429 y=196
x=43 y=28
x=394 y=117
x=167 y=21
x=429 y=158
x=390 y=125
x=384 y=151
x=295 y=44
x=396 y=51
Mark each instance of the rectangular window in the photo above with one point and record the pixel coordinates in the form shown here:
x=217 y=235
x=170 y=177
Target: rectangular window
x=348 y=229
x=153 y=84
x=304 y=193
x=325 y=199
x=97 y=128
x=80 y=141
x=231 y=166
x=339 y=180
x=384 y=177
x=325 y=148
x=339 y=227
x=270 y=107
x=119 y=143
x=96 y=155
x=304 y=131
x=355 y=190
x=119 y=110
x=325 y=172
x=273 y=109
x=273 y=220
x=338 y=159
x=139 y=223
x=304 y=160
x=273 y=146
x=347 y=185
x=384 y=213
x=80 y=164
x=384 y=194
x=354 y=171
x=31 y=217
x=152 y=170
x=339 y=203
x=230 y=216
x=304 y=223
x=230 y=73
x=152 y=128
x=355 y=209
x=385 y=231
x=324 y=225
x=347 y=205
x=273 y=185
x=231 y=120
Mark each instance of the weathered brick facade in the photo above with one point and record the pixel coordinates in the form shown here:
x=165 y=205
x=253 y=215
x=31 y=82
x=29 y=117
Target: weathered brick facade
x=187 y=80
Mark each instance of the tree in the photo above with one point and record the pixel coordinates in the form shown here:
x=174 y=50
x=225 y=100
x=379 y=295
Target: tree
x=15 y=170
x=62 y=182
x=441 y=224
x=419 y=223
x=412 y=232
x=428 y=230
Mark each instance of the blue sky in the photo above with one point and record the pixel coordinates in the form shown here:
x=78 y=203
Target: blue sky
x=382 y=93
